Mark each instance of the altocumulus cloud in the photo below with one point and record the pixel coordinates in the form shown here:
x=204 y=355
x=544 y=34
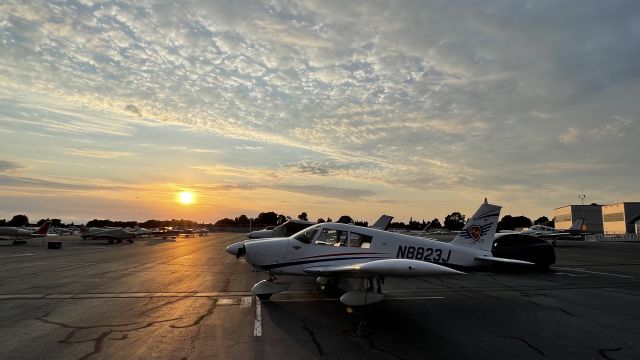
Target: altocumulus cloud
x=445 y=92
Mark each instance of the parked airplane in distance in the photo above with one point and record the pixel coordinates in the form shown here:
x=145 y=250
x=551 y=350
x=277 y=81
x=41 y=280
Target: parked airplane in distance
x=334 y=251
x=285 y=229
x=16 y=233
x=292 y=226
x=110 y=234
x=548 y=232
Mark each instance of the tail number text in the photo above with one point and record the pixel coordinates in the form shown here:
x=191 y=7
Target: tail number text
x=425 y=254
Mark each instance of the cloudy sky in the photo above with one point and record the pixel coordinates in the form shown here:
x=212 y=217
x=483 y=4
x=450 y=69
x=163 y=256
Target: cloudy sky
x=411 y=108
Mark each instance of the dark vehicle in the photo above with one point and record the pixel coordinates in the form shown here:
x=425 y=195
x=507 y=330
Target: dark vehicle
x=526 y=248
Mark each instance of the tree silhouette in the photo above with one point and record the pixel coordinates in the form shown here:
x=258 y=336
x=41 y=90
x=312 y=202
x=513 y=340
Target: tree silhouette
x=320 y=220
x=454 y=221
x=509 y=222
x=361 y=223
x=242 y=220
x=19 y=220
x=345 y=219
x=268 y=218
x=542 y=220
x=303 y=216
x=435 y=224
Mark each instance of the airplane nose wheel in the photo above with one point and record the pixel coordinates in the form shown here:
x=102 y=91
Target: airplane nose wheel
x=264 y=297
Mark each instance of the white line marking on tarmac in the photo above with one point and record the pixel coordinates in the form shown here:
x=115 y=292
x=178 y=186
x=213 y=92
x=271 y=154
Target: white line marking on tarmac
x=416 y=298
x=16 y=255
x=386 y=298
x=246 y=302
x=596 y=272
x=575 y=275
x=226 y=301
x=257 y=326
x=222 y=295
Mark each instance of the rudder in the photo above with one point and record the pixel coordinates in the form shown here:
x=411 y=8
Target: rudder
x=479 y=232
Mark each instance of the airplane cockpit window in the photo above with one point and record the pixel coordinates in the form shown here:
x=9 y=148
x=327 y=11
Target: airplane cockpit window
x=331 y=237
x=293 y=227
x=360 y=240
x=307 y=234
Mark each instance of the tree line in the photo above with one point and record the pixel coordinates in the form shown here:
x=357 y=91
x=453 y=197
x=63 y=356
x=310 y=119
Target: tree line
x=454 y=222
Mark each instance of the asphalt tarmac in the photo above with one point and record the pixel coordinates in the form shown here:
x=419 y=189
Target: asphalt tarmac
x=188 y=299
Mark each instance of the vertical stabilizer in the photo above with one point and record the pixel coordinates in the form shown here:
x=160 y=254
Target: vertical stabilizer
x=383 y=222
x=577 y=225
x=44 y=229
x=479 y=232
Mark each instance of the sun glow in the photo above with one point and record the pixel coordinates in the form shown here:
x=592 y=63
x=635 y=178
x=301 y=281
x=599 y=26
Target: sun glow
x=185 y=197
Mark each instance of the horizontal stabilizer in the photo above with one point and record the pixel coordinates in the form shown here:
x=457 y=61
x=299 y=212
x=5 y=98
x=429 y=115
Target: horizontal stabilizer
x=386 y=267
x=492 y=259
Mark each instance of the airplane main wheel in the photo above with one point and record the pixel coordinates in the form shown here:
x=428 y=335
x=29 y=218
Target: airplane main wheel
x=264 y=296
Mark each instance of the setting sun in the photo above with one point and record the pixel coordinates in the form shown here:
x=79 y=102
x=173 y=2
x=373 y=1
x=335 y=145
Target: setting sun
x=185 y=197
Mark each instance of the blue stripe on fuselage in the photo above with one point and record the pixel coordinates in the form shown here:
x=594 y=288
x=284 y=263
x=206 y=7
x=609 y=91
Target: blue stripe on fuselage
x=293 y=263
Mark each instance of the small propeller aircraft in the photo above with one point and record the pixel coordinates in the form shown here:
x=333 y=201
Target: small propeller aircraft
x=339 y=251
x=17 y=233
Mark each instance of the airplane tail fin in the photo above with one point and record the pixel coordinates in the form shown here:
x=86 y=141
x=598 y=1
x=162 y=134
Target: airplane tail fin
x=577 y=225
x=44 y=229
x=479 y=232
x=383 y=222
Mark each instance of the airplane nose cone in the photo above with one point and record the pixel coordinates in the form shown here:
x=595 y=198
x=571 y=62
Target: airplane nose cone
x=236 y=249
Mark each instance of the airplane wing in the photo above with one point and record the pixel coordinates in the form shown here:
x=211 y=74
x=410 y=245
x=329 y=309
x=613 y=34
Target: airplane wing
x=385 y=267
x=492 y=259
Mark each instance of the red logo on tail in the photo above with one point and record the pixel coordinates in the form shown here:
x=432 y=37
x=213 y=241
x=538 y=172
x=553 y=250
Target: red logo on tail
x=475 y=231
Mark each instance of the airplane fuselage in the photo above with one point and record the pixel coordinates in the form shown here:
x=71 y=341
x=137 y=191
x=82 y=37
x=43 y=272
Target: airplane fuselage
x=291 y=256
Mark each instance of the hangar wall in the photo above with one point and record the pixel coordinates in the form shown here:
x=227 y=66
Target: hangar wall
x=620 y=218
x=565 y=216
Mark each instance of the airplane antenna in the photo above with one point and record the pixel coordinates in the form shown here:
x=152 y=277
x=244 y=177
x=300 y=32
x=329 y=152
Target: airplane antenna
x=485 y=201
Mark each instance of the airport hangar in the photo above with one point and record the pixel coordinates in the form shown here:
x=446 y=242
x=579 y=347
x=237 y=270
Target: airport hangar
x=618 y=218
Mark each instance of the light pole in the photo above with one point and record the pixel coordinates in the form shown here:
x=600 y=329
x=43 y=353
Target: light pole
x=581 y=197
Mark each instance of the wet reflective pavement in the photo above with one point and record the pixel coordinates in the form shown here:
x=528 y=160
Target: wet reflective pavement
x=189 y=299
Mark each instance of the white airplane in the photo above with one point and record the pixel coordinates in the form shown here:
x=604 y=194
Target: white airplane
x=110 y=234
x=342 y=251
x=544 y=232
x=24 y=232
x=287 y=228
x=293 y=226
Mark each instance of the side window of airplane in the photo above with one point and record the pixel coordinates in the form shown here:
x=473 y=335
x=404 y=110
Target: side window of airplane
x=306 y=235
x=331 y=237
x=360 y=240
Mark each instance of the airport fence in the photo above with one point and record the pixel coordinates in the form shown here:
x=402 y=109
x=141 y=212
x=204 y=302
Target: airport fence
x=613 y=237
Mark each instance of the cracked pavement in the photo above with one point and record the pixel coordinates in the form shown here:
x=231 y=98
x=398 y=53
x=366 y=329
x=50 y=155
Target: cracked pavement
x=188 y=299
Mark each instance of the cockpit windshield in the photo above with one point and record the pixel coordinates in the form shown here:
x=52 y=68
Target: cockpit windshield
x=307 y=234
